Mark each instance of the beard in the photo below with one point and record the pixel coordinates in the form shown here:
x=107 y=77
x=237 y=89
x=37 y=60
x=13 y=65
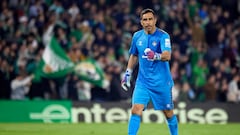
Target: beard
x=149 y=29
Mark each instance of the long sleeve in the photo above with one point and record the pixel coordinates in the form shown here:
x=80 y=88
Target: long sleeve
x=20 y=83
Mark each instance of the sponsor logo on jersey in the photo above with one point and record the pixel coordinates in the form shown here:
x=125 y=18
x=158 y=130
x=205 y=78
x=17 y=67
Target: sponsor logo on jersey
x=168 y=106
x=140 y=43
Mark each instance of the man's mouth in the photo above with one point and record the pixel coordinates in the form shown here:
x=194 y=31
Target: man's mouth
x=148 y=27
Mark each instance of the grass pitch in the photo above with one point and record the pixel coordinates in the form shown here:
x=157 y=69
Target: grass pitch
x=114 y=129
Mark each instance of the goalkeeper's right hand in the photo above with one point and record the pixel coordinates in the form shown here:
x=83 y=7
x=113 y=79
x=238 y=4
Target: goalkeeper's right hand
x=125 y=83
x=151 y=55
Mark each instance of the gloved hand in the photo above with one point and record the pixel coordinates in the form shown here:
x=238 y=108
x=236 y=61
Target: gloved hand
x=125 y=83
x=151 y=55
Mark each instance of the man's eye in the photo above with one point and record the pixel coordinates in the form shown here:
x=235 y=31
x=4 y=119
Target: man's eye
x=148 y=19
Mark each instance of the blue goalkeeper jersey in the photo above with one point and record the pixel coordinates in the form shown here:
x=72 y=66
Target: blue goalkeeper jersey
x=152 y=74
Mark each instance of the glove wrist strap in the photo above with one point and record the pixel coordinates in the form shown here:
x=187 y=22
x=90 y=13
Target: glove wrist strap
x=129 y=71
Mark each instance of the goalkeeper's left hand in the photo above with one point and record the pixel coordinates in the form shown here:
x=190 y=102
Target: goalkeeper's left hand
x=125 y=83
x=151 y=55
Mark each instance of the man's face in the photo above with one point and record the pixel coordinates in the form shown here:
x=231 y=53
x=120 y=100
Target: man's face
x=148 y=22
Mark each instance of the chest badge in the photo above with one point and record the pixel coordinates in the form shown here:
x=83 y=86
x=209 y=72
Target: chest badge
x=154 y=43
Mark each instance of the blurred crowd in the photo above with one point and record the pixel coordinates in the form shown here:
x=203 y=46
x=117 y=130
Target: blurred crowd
x=205 y=37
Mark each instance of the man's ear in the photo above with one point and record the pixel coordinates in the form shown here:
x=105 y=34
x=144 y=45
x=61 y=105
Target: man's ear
x=155 y=18
x=141 y=22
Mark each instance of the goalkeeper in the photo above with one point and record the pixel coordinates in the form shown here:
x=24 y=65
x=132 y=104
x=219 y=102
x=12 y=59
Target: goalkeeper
x=150 y=47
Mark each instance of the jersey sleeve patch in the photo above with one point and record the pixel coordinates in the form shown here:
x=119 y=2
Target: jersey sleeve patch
x=167 y=43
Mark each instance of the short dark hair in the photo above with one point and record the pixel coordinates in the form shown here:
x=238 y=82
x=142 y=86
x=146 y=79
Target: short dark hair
x=147 y=10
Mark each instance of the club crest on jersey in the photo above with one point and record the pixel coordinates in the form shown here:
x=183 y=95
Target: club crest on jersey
x=154 y=43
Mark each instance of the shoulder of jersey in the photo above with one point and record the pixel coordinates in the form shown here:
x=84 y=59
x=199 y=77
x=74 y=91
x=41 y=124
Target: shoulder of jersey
x=162 y=31
x=138 y=33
